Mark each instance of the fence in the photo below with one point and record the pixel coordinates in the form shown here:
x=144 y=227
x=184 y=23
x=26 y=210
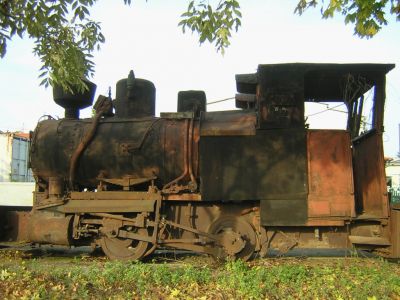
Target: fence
x=394 y=195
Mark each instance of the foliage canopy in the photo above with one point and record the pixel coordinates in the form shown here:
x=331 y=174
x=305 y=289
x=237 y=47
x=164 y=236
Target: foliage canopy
x=65 y=36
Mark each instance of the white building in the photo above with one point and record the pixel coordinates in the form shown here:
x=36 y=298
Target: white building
x=393 y=173
x=14 y=157
x=393 y=179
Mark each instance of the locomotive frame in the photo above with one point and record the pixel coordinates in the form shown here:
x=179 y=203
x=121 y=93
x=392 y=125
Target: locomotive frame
x=230 y=183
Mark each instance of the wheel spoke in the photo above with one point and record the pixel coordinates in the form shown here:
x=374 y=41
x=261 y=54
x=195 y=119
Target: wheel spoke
x=124 y=249
x=237 y=236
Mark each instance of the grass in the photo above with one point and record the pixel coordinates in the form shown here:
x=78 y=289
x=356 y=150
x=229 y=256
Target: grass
x=94 y=278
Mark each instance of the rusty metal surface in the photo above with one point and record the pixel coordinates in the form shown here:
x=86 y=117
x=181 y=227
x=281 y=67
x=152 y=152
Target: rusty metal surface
x=108 y=205
x=246 y=83
x=75 y=99
x=287 y=237
x=281 y=96
x=124 y=249
x=268 y=166
x=324 y=221
x=370 y=178
x=188 y=131
x=177 y=115
x=101 y=107
x=125 y=182
x=395 y=233
x=135 y=98
x=366 y=240
x=222 y=183
x=46 y=228
x=182 y=197
x=228 y=123
x=136 y=148
x=245 y=101
x=379 y=104
x=200 y=215
x=283 y=238
x=330 y=174
x=284 y=212
x=203 y=219
x=114 y=196
x=194 y=101
x=14 y=224
x=56 y=186
x=236 y=236
x=321 y=80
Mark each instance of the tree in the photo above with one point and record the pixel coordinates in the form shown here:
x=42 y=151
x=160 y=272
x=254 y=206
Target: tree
x=215 y=24
x=63 y=34
x=368 y=16
x=65 y=37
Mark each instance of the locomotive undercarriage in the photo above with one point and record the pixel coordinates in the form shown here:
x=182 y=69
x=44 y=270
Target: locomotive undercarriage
x=215 y=228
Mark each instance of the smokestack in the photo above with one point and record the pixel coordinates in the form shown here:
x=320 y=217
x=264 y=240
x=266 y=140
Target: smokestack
x=73 y=101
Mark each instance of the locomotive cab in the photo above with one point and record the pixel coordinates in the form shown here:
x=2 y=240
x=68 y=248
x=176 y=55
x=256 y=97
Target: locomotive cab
x=345 y=168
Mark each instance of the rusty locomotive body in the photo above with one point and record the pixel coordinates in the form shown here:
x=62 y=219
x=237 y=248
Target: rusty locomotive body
x=229 y=183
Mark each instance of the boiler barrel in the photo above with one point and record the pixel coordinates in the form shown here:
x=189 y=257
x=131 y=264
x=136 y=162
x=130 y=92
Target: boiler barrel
x=146 y=147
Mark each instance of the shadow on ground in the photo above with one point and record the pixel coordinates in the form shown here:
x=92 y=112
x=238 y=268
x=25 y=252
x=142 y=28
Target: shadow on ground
x=35 y=251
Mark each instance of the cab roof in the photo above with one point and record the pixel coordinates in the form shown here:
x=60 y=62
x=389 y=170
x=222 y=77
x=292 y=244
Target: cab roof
x=321 y=81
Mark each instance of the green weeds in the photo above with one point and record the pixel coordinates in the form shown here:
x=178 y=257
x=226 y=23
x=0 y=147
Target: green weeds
x=337 y=278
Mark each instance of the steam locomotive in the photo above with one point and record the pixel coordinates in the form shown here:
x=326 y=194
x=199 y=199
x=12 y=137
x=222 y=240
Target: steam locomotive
x=228 y=183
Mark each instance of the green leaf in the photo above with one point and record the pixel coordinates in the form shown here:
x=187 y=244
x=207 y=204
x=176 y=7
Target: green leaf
x=74 y=5
x=212 y=24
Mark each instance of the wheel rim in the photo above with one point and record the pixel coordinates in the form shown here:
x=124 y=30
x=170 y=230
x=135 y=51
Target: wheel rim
x=124 y=249
x=238 y=236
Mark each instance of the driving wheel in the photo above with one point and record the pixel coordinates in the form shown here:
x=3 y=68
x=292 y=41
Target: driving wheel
x=236 y=236
x=124 y=249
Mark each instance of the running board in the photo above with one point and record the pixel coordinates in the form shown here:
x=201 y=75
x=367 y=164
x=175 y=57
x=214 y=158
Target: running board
x=366 y=240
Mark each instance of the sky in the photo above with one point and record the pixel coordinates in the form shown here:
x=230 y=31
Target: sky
x=145 y=37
